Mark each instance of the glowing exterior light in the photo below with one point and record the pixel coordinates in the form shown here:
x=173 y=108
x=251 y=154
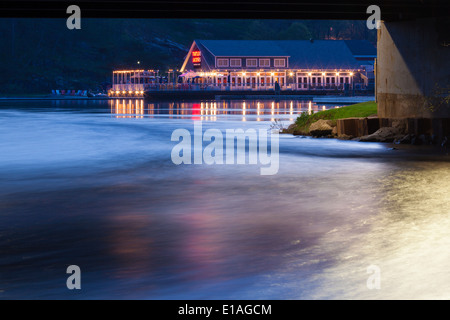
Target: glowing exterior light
x=323 y=73
x=272 y=74
x=337 y=73
x=291 y=74
x=310 y=74
x=243 y=73
x=351 y=73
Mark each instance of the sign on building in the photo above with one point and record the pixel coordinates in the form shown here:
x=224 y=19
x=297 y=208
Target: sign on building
x=197 y=58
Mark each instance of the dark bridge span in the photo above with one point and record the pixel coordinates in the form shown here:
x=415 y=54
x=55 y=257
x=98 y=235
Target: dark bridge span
x=392 y=10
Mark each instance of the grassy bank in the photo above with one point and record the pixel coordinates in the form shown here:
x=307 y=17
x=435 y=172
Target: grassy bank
x=359 y=110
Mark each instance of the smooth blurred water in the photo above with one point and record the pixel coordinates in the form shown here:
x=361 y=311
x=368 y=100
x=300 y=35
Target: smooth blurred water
x=91 y=183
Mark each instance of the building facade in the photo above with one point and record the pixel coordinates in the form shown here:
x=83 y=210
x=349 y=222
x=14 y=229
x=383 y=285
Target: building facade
x=289 y=64
x=132 y=83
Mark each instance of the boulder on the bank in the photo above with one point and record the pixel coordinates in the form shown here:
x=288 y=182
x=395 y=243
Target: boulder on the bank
x=384 y=134
x=400 y=125
x=334 y=132
x=345 y=137
x=404 y=140
x=321 y=128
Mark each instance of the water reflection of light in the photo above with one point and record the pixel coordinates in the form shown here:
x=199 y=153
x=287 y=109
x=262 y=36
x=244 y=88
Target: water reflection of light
x=211 y=110
x=407 y=238
x=127 y=108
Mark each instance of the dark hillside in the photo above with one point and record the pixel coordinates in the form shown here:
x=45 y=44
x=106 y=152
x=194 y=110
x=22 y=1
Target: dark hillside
x=38 y=55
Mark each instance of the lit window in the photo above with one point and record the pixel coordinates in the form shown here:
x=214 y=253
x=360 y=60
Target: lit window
x=222 y=62
x=264 y=62
x=235 y=62
x=279 y=63
x=251 y=63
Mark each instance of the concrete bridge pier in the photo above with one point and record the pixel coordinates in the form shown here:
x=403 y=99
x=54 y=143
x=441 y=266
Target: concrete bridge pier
x=413 y=69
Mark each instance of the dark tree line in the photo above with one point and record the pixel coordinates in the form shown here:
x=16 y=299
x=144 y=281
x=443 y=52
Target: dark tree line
x=42 y=54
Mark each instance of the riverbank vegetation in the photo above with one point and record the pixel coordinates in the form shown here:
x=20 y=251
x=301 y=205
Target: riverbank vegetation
x=359 y=110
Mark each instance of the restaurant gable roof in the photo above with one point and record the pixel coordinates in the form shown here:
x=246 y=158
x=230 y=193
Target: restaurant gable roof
x=317 y=54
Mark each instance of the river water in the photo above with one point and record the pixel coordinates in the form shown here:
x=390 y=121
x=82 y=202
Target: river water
x=92 y=184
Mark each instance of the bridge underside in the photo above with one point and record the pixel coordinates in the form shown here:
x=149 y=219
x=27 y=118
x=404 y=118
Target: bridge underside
x=391 y=10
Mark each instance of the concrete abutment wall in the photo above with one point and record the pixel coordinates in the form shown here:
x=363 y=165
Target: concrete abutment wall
x=413 y=69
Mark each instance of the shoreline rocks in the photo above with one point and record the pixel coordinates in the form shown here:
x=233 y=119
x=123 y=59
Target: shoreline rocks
x=321 y=128
x=397 y=131
x=384 y=134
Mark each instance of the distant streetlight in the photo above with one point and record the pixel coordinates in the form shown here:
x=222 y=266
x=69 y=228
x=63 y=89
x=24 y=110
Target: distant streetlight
x=138 y=62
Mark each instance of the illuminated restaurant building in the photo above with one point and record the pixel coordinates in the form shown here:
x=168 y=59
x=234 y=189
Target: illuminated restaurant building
x=293 y=64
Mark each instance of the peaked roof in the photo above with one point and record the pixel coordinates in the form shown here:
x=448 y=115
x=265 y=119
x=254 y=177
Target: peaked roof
x=249 y=48
x=317 y=54
x=361 y=47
